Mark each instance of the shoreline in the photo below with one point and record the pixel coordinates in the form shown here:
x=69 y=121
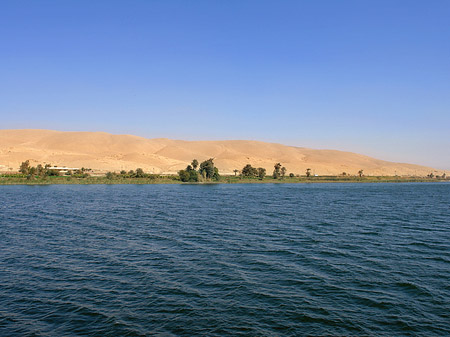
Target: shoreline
x=172 y=180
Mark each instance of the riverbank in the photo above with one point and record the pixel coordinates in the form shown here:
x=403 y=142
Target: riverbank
x=22 y=180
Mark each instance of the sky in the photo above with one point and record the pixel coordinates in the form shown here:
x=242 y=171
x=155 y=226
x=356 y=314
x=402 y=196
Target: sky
x=371 y=77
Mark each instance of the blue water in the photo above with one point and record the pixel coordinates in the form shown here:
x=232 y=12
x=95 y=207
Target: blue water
x=262 y=259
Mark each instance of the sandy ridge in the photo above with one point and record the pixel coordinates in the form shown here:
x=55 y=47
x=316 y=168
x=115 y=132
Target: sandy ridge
x=103 y=151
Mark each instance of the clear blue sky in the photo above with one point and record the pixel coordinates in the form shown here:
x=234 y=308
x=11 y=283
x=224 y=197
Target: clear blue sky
x=365 y=76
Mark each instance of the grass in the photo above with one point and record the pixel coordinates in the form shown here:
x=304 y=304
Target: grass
x=19 y=179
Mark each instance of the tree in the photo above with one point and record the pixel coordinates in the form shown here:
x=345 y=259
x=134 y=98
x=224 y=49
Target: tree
x=193 y=176
x=131 y=173
x=291 y=175
x=283 y=171
x=40 y=171
x=24 y=167
x=207 y=168
x=249 y=171
x=235 y=172
x=184 y=175
x=189 y=174
x=361 y=173
x=444 y=176
x=216 y=175
x=109 y=175
x=261 y=173
x=308 y=172
x=140 y=173
x=123 y=172
x=276 y=171
x=194 y=164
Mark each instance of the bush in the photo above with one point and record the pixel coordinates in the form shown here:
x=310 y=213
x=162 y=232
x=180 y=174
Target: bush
x=249 y=171
x=184 y=175
x=140 y=173
x=261 y=173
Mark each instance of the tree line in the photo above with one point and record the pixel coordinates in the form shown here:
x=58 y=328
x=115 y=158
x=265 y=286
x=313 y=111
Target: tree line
x=138 y=173
x=47 y=170
x=206 y=171
x=249 y=171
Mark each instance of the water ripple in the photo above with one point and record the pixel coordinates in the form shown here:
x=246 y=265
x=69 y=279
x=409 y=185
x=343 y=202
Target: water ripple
x=269 y=260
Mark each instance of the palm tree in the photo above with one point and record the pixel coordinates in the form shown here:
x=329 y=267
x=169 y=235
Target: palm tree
x=194 y=164
x=361 y=173
x=308 y=172
x=235 y=172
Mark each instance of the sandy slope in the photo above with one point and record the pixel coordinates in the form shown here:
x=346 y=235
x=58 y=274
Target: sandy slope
x=104 y=151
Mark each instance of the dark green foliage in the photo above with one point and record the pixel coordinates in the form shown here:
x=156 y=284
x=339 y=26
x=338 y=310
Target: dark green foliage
x=283 y=171
x=184 y=175
x=249 y=171
x=194 y=164
x=261 y=173
x=361 y=173
x=193 y=176
x=291 y=175
x=110 y=175
x=207 y=169
x=123 y=172
x=216 y=175
x=276 y=172
x=188 y=175
x=140 y=173
x=40 y=170
x=25 y=167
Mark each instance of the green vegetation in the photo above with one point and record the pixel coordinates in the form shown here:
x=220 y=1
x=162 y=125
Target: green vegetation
x=261 y=173
x=330 y=179
x=249 y=171
x=42 y=172
x=139 y=174
x=276 y=172
x=205 y=172
x=22 y=179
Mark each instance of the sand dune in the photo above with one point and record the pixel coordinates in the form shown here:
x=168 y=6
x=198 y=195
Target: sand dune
x=103 y=151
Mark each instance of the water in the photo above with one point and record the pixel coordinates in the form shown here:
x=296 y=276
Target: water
x=281 y=259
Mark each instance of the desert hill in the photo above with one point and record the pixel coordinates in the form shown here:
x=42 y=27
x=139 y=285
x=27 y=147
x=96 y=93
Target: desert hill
x=107 y=152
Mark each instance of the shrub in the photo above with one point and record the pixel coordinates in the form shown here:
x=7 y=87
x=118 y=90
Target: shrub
x=261 y=173
x=249 y=171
